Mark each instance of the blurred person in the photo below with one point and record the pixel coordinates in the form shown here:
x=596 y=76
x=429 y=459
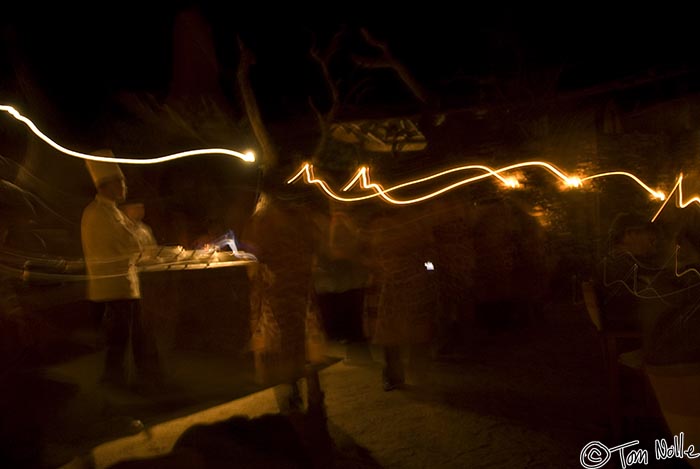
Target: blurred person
x=509 y=262
x=634 y=292
x=673 y=336
x=135 y=211
x=282 y=233
x=340 y=276
x=111 y=248
x=401 y=252
x=14 y=334
x=454 y=268
x=20 y=425
x=672 y=354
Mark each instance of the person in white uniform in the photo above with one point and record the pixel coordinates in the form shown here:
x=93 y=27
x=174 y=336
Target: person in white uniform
x=111 y=250
x=135 y=211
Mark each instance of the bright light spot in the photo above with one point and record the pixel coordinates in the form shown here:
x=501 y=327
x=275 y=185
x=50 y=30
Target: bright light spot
x=511 y=182
x=660 y=195
x=249 y=156
x=573 y=181
x=429 y=266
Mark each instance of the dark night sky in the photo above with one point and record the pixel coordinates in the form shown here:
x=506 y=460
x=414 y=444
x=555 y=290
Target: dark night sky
x=80 y=59
x=81 y=62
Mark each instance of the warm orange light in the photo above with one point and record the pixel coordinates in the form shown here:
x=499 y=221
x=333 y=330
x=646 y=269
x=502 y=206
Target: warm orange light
x=679 y=201
x=512 y=183
x=655 y=194
x=248 y=156
x=362 y=175
x=362 y=178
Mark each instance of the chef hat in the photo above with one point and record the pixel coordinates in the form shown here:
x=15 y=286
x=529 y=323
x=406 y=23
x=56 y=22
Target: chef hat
x=101 y=171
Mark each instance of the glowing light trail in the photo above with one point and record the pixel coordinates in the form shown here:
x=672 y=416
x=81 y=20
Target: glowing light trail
x=362 y=178
x=248 y=156
x=656 y=194
x=644 y=288
x=681 y=203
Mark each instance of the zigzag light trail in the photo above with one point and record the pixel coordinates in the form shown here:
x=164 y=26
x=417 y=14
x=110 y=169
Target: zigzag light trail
x=362 y=175
x=362 y=178
x=679 y=201
x=648 y=292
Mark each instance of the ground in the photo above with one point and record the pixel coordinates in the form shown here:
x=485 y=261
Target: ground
x=532 y=396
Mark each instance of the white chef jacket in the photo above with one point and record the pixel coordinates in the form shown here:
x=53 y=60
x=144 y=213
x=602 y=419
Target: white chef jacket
x=111 y=249
x=144 y=235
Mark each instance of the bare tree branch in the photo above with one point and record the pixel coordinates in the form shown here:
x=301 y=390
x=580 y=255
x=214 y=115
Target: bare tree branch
x=269 y=154
x=357 y=90
x=324 y=125
x=323 y=62
x=324 y=121
x=370 y=62
x=389 y=61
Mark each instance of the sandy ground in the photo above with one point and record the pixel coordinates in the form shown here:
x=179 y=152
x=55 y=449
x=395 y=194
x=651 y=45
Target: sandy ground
x=529 y=397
